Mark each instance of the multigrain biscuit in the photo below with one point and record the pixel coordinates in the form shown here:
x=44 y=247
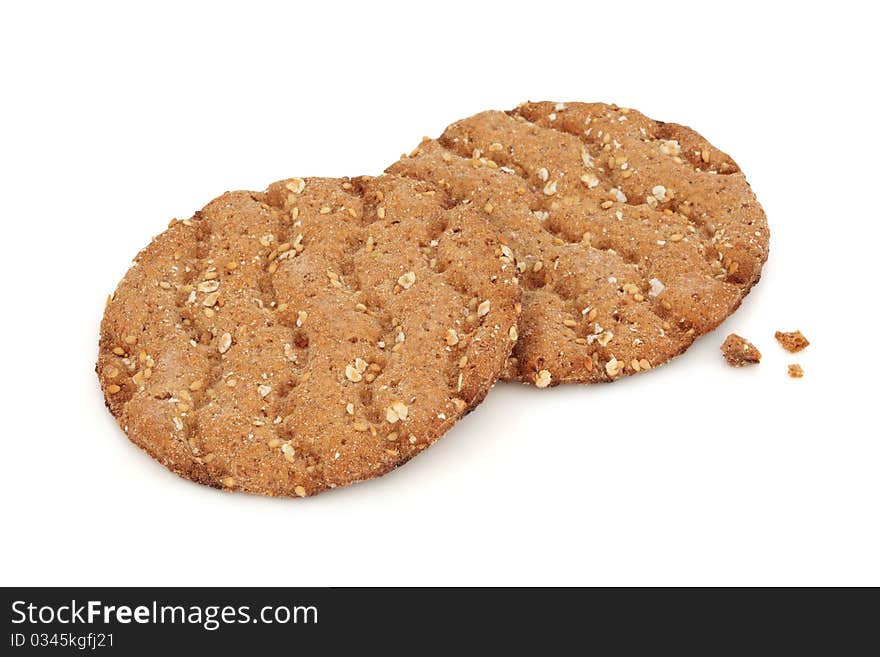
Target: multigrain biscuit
x=633 y=237
x=738 y=351
x=795 y=371
x=792 y=342
x=314 y=335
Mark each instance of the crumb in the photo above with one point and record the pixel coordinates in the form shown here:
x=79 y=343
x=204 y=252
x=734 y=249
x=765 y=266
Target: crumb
x=793 y=342
x=738 y=351
x=795 y=371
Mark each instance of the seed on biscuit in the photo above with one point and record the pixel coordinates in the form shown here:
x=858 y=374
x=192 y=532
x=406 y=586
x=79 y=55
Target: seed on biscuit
x=604 y=338
x=618 y=195
x=613 y=367
x=484 y=308
x=656 y=287
x=396 y=411
x=352 y=374
x=670 y=147
x=296 y=185
x=590 y=180
x=543 y=378
x=586 y=158
x=224 y=343
x=407 y=280
x=289 y=452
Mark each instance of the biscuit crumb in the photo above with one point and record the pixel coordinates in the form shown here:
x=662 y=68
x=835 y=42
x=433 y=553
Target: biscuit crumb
x=792 y=342
x=738 y=351
x=795 y=371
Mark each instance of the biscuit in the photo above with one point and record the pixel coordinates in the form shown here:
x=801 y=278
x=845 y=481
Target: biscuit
x=792 y=342
x=738 y=351
x=795 y=371
x=633 y=236
x=314 y=335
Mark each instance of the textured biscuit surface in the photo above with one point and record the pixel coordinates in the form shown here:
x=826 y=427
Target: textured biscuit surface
x=314 y=335
x=633 y=236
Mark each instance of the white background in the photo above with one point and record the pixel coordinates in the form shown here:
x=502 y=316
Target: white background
x=118 y=117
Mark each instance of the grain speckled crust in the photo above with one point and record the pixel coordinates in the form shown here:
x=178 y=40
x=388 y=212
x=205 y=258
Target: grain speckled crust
x=314 y=335
x=633 y=236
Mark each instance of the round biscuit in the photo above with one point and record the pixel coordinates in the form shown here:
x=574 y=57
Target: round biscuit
x=311 y=336
x=633 y=236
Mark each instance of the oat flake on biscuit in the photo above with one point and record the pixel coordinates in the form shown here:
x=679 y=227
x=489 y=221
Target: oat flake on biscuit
x=633 y=236
x=297 y=340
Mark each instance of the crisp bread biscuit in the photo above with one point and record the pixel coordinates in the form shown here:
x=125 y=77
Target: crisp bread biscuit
x=308 y=337
x=633 y=236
